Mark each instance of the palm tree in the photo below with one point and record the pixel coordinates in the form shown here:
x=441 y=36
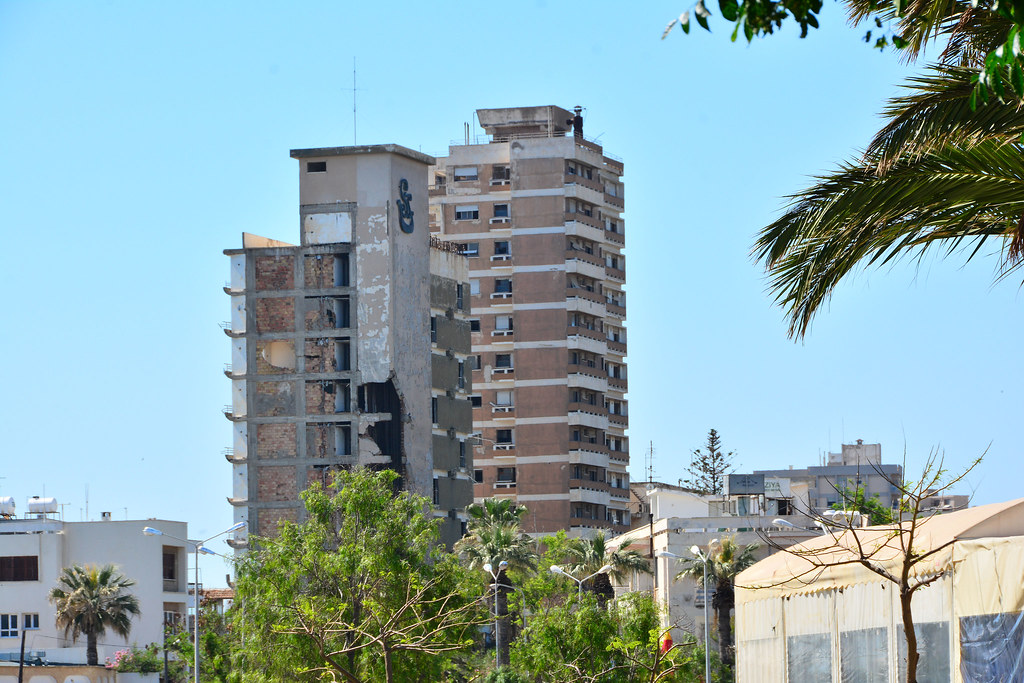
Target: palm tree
x=590 y=554
x=726 y=559
x=495 y=536
x=91 y=600
x=944 y=172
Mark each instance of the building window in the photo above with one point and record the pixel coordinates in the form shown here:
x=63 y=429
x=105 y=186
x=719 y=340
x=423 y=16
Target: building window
x=503 y=360
x=341 y=270
x=503 y=398
x=437 y=492
x=433 y=329
x=476 y=401
x=500 y=175
x=30 y=622
x=503 y=285
x=316 y=167
x=471 y=249
x=478 y=476
x=501 y=210
x=468 y=212
x=506 y=475
x=474 y=286
x=462 y=454
x=503 y=322
x=19 y=568
x=462 y=375
x=170 y=564
x=503 y=436
x=464 y=173
x=502 y=248
x=433 y=410
x=8 y=625
x=459 y=296
x=474 y=325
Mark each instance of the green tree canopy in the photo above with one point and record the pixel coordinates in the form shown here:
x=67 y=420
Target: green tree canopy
x=91 y=600
x=709 y=465
x=360 y=591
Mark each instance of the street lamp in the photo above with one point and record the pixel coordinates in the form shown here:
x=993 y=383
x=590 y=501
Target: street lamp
x=703 y=557
x=199 y=548
x=498 y=634
x=579 y=582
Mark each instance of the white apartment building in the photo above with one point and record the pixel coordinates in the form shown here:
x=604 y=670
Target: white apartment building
x=37 y=547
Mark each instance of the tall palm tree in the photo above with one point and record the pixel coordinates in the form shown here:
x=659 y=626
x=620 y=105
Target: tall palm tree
x=90 y=600
x=590 y=554
x=495 y=536
x=944 y=172
x=726 y=559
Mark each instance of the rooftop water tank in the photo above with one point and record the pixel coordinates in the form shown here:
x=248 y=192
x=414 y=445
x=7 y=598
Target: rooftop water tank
x=37 y=505
x=7 y=505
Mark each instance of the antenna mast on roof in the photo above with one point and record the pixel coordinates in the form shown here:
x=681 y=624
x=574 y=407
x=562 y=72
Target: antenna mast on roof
x=649 y=463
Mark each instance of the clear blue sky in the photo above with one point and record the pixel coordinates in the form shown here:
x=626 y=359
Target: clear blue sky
x=140 y=139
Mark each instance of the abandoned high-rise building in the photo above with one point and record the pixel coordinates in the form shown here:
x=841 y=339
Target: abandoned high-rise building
x=537 y=208
x=350 y=347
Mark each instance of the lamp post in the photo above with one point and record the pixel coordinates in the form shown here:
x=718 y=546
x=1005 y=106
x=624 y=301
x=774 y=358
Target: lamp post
x=703 y=557
x=198 y=547
x=579 y=582
x=499 y=635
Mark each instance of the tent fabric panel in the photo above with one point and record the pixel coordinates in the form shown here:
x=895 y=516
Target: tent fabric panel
x=987 y=579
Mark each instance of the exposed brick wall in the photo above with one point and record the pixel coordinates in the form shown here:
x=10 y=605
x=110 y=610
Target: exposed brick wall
x=276 y=484
x=319 y=272
x=268 y=519
x=275 y=441
x=274 y=272
x=320 y=355
x=275 y=315
x=318 y=401
x=320 y=475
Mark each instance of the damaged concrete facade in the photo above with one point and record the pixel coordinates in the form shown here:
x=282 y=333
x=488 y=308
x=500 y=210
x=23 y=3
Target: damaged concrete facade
x=538 y=210
x=332 y=360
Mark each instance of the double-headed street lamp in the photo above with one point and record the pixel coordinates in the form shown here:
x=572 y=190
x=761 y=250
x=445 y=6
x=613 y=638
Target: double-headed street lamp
x=704 y=558
x=558 y=570
x=200 y=548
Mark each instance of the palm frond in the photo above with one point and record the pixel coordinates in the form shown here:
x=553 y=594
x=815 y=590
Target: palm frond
x=950 y=196
x=936 y=112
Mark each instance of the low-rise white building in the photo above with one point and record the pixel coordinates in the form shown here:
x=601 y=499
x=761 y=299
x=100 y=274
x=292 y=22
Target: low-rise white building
x=37 y=547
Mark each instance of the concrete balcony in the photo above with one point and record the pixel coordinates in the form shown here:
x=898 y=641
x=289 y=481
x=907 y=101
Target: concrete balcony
x=582 y=453
x=590 y=183
x=594 y=233
x=583 y=304
x=592 y=221
x=615 y=310
x=617 y=347
x=437 y=190
x=613 y=164
x=587 y=495
x=619 y=492
x=590 y=485
x=585 y=264
x=590 y=191
x=584 y=339
x=616 y=274
x=586 y=378
x=617 y=236
x=584 y=523
x=615 y=201
x=618 y=383
x=619 y=421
